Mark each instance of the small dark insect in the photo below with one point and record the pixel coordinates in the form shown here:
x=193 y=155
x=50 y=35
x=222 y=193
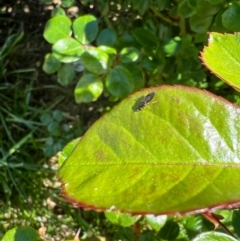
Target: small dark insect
x=145 y=100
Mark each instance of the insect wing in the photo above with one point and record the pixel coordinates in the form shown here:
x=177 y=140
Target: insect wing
x=149 y=97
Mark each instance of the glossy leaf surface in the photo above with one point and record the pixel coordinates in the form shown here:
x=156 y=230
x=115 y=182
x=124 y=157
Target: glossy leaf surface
x=88 y=89
x=178 y=153
x=57 y=28
x=95 y=61
x=224 y=47
x=214 y=236
x=68 y=47
x=85 y=28
x=156 y=222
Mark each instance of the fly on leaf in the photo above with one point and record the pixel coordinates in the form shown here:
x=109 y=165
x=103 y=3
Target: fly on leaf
x=144 y=101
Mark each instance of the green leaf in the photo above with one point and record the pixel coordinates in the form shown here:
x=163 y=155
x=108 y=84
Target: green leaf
x=58 y=115
x=67 y=3
x=66 y=74
x=230 y=18
x=215 y=1
x=88 y=89
x=107 y=37
x=201 y=21
x=192 y=3
x=125 y=234
x=214 y=236
x=236 y=221
x=51 y=64
x=185 y=10
x=122 y=219
x=162 y=4
x=147 y=161
x=58 y=11
x=148 y=235
x=222 y=57
x=193 y=225
x=129 y=55
x=68 y=47
x=20 y=234
x=156 y=222
x=65 y=153
x=53 y=126
x=46 y=118
x=141 y=5
x=46 y=1
x=64 y=58
x=103 y=7
x=172 y=47
x=127 y=41
x=85 y=28
x=111 y=52
x=146 y=38
x=137 y=75
x=119 y=82
x=169 y=231
x=95 y=60
x=217 y=25
x=57 y=28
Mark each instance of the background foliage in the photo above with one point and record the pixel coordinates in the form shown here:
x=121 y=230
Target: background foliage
x=148 y=43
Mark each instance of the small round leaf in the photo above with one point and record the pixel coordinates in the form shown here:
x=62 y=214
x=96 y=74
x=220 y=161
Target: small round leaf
x=68 y=47
x=95 y=60
x=85 y=29
x=129 y=55
x=66 y=74
x=67 y=3
x=107 y=37
x=58 y=11
x=57 y=28
x=230 y=18
x=88 y=89
x=146 y=38
x=119 y=82
x=51 y=64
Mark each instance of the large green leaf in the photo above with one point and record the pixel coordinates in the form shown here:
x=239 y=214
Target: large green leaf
x=222 y=57
x=179 y=153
